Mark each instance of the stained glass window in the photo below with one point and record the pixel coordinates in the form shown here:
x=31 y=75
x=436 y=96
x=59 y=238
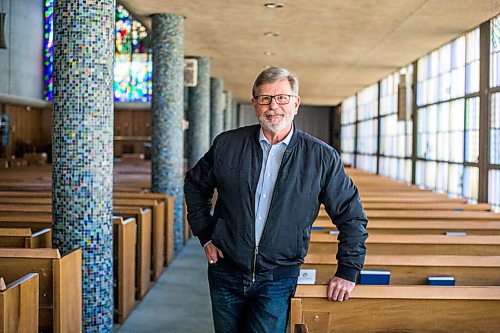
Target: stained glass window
x=133 y=66
x=133 y=61
x=48 y=49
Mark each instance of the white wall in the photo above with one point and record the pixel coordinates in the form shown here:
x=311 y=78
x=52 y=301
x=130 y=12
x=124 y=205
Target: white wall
x=21 y=64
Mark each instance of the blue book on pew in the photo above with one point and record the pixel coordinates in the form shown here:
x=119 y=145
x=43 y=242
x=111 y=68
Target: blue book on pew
x=374 y=277
x=318 y=228
x=441 y=281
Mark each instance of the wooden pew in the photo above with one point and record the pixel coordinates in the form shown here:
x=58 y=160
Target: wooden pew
x=124 y=266
x=399 y=309
x=169 y=218
x=60 y=306
x=144 y=222
x=19 y=304
x=380 y=226
x=425 y=206
x=143 y=218
x=479 y=245
x=14 y=197
x=20 y=220
x=23 y=237
x=414 y=269
x=426 y=215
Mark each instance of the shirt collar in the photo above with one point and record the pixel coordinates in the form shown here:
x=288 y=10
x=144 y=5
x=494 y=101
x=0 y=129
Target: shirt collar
x=285 y=141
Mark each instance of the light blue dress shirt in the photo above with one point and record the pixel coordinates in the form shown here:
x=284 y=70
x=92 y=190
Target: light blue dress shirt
x=271 y=161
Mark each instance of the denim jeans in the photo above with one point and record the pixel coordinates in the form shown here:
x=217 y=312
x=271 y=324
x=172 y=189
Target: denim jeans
x=242 y=306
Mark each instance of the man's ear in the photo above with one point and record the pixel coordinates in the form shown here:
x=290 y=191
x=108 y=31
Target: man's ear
x=297 y=104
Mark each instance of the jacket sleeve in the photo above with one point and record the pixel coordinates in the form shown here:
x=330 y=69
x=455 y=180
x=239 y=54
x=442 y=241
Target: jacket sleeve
x=199 y=185
x=342 y=203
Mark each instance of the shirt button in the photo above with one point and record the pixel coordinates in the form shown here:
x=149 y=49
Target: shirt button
x=269 y=175
x=264 y=195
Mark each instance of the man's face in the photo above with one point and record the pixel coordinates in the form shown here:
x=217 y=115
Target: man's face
x=275 y=117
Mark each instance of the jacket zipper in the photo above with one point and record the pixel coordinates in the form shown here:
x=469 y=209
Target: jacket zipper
x=256 y=251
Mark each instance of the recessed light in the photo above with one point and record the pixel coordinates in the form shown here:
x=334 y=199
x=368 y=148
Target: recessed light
x=273 y=5
x=268 y=53
x=271 y=34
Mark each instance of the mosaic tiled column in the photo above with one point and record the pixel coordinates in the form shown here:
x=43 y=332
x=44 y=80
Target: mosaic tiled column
x=228 y=112
x=199 y=113
x=167 y=141
x=82 y=148
x=216 y=107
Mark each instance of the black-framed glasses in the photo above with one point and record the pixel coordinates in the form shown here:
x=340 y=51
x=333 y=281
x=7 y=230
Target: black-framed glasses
x=280 y=99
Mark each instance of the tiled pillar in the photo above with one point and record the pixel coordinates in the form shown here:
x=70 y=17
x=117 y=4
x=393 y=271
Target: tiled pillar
x=167 y=141
x=199 y=113
x=82 y=148
x=216 y=107
x=228 y=112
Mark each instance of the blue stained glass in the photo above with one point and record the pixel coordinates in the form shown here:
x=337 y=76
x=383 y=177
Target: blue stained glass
x=133 y=70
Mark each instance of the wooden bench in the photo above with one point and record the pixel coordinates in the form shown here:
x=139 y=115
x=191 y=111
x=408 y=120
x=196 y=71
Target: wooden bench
x=142 y=216
x=414 y=269
x=124 y=239
x=399 y=309
x=425 y=206
x=23 y=237
x=18 y=197
x=479 y=245
x=60 y=295
x=380 y=226
x=19 y=304
x=426 y=215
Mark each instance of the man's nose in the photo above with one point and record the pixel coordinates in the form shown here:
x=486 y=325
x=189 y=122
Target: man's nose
x=274 y=104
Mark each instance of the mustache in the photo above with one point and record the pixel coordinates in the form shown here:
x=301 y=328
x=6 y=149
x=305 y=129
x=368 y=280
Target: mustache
x=273 y=113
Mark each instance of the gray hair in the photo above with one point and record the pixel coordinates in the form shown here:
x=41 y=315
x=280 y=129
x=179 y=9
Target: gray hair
x=275 y=74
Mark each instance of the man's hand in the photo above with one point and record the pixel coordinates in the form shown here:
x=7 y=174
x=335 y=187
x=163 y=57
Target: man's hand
x=339 y=289
x=212 y=253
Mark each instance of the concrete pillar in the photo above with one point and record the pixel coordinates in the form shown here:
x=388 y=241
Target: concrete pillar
x=82 y=141
x=167 y=141
x=228 y=119
x=216 y=107
x=199 y=113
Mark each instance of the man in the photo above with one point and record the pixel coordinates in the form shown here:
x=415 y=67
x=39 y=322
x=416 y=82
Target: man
x=270 y=181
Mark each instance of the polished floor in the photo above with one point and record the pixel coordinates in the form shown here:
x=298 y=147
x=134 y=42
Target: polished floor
x=179 y=301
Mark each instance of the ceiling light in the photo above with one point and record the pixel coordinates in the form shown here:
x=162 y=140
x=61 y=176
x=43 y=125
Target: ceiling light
x=268 y=53
x=273 y=5
x=271 y=34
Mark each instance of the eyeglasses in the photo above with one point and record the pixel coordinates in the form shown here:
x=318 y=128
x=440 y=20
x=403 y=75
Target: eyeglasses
x=280 y=99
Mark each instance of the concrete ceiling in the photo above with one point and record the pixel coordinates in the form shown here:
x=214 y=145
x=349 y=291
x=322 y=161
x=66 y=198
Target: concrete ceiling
x=335 y=47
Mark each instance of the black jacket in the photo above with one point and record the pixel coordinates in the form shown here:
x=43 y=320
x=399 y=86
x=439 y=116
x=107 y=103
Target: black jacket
x=311 y=173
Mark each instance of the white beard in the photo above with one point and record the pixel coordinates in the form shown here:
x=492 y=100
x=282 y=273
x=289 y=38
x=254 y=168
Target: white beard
x=275 y=127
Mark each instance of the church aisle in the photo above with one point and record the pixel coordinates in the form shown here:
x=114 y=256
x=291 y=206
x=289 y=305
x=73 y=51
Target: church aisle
x=179 y=301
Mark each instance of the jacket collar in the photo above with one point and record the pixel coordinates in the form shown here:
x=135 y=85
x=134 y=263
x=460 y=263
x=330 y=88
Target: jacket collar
x=292 y=142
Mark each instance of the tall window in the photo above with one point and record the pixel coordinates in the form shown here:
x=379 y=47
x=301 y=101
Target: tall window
x=348 y=131
x=132 y=65
x=448 y=118
x=494 y=130
x=367 y=129
x=395 y=135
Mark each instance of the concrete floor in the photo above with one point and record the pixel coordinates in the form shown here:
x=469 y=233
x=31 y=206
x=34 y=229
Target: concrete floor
x=179 y=301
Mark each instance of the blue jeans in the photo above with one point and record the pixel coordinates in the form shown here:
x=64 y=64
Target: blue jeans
x=242 y=306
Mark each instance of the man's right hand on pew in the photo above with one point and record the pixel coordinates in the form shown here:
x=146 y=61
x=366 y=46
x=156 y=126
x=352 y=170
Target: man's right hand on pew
x=212 y=253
